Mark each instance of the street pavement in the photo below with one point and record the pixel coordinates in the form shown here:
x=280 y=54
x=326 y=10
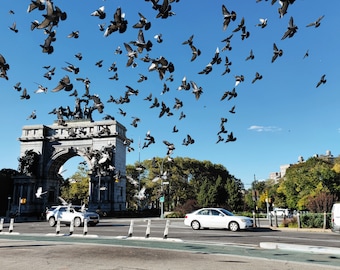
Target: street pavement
x=92 y=252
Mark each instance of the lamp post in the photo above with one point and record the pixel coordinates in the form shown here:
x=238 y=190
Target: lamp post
x=139 y=169
x=9 y=206
x=163 y=176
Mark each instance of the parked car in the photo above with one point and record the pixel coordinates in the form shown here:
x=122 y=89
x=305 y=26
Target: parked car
x=67 y=214
x=217 y=218
x=280 y=212
x=335 y=218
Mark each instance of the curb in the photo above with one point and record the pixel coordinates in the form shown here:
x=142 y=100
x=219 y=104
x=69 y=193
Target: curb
x=300 y=248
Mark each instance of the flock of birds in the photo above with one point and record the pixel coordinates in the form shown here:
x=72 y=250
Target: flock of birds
x=50 y=17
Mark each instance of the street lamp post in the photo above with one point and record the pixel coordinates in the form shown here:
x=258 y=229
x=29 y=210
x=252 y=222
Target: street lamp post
x=9 y=206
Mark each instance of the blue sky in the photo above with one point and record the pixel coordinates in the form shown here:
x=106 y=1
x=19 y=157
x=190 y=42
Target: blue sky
x=277 y=119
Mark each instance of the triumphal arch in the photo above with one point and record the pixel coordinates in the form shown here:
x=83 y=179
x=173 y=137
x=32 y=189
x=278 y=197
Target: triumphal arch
x=44 y=149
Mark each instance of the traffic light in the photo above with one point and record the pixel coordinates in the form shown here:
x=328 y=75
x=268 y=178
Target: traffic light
x=23 y=201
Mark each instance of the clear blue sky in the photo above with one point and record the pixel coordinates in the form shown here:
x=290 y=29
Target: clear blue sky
x=276 y=119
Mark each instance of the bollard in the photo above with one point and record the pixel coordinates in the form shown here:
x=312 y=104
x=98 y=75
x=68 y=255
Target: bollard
x=298 y=219
x=11 y=225
x=166 y=230
x=1 y=224
x=57 y=230
x=72 y=227
x=130 y=229
x=324 y=220
x=254 y=219
x=276 y=222
x=85 y=227
x=148 y=228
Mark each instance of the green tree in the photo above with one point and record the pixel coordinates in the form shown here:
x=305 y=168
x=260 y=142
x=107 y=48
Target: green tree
x=76 y=188
x=190 y=180
x=308 y=179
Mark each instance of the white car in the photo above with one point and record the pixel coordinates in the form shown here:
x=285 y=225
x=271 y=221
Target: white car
x=217 y=218
x=280 y=212
x=67 y=214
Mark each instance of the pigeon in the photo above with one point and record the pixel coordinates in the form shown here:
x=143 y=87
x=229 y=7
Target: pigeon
x=39 y=4
x=164 y=10
x=71 y=68
x=181 y=116
x=170 y=147
x=79 y=56
x=142 y=23
x=251 y=56
x=73 y=34
x=149 y=97
x=39 y=193
x=227 y=16
x=189 y=41
x=100 y=13
x=258 y=76
x=232 y=110
x=284 y=6
x=220 y=139
x=41 y=89
x=291 y=30
x=141 y=44
x=238 y=79
x=230 y=137
x=158 y=38
x=135 y=121
x=277 y=53
x=188 y=140
x=178 y=104
x=131 y=54
x=321 y=81
x=306 y=54
x=24 y=94
x=155 y=103
x=316 y=24
x=227 y=63
x=64 y=84
x=33 y=115
x=227 y=47
x=17 y=86
x=216 y=59
x=118 y=24
x=240 y=25
x=142 y=78
x=197 y=91
x=184 y=85
x=13 y=27
x=207 y=69
x=195 y=52
x=245 y=33
x=99 y=63
x=263 y=23
x=122 y=112
x=174 y=129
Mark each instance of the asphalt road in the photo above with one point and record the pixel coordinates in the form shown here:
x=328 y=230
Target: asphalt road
x=177 y=230
x=107 y=246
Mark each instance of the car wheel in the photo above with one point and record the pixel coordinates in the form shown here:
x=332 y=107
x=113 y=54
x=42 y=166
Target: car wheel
x=233 y=226
x=195 y=225
x=51 y=221
x=77 y=222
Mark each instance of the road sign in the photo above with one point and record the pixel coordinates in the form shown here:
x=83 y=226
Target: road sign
x=161 y=199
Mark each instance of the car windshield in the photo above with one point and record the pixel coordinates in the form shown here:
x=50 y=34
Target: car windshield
x=226 y=212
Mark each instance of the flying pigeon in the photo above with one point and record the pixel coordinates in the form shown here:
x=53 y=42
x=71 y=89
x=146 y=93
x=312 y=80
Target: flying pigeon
x=39 y=192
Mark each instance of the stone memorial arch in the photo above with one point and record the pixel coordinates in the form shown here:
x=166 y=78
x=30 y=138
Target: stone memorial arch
x=44 y=149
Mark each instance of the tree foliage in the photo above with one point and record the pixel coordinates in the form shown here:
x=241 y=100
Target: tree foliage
x=186 y=179
x=76 y=188
x=307 y=180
